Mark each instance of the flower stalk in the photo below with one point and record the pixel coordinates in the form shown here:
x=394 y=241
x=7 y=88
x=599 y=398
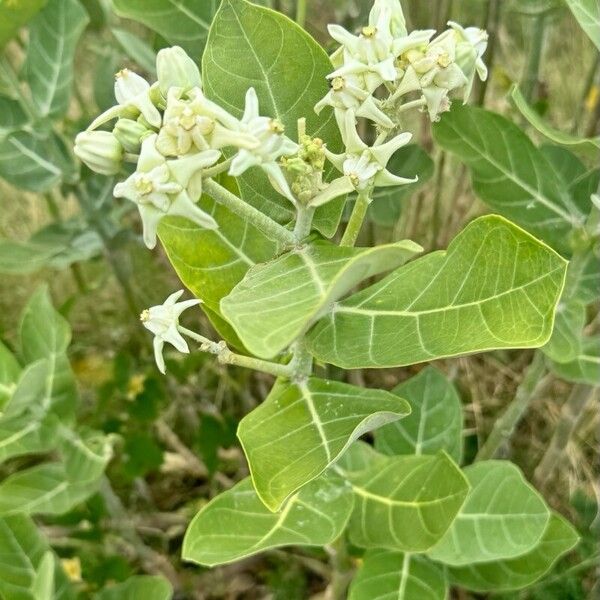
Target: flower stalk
x=359 y=212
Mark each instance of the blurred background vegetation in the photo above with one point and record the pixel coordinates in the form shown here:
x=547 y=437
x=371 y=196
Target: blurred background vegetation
x=176 y=445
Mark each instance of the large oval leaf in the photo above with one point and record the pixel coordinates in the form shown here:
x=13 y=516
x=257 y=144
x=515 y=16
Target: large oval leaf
x=237 y=524
x=406 y=502
x=387 y=575
x=302 y=428
x=587 y=13
x=254 y=46
x=495 y=287
x=277 y=301
x=435 y=422
x=503 y=517
x=510 y=174
x=505 y=575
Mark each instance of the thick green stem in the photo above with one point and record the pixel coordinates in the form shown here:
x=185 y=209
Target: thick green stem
x=357 y=218
x=227 y=357
x=342 y=570
x=304 y=219
x=532 y=383
x=268 y=226
x=302 y=360
x=531 y=74
x=301 y=12
x=571 y=416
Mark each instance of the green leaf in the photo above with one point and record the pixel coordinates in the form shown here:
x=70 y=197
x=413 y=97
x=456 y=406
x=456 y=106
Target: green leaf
x=43 y=583
x=53 y=37
x=387 y=204
x=85 y=458
x=25 y=434
x=43 y=489
x=510 y=174
x=503 y=517
x=535 y=120
x=585 y=367
x=406 y=502
x=182 y=23
x=565 y=343
x=147 y=587
x=14 y=14
x=236 y=524
x=252 y=46
x=278 y=301
x=310 y=425
x=495 y=287
x=435 y=422
x=386 y=574
x=9 y=374
x=587 y=13
x=23 y=550
x=12 y=115
x=137 y=49
x=505 y=575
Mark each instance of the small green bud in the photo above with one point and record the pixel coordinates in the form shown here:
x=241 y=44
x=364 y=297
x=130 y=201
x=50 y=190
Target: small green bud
x=176 y=69
x=130 y=133
x=100 y=151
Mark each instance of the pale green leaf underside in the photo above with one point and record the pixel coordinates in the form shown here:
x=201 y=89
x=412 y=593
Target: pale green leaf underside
x=565 y=344
x=503 y=517
x=495 y=287
x=435 y=422
x=510 y=174
x=505 y=575
x=183 y=23
x=277 y=301
x=147 y=587
x=585 y=367
x=22 y=549
x=587 y=13
x=26 y=435
x=53 y=36
x=237 y=524
x=252 y=46
x=389 y=575
x=406 y=502
x=556 y=135
x=301 y=429
x=12 y=115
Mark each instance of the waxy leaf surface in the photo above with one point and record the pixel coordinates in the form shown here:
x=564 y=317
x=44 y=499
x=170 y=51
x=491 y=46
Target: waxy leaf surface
x=302 y=428
x=252 y=46
x=495 y=287
x=387 y=575
x=503 y=517
x=277 y=301
x=435 y=421
x=510 y=174
x=406 y=502
x=237 y=524
x=505 y=575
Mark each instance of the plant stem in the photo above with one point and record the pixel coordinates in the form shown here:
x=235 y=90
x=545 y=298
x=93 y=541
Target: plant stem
x=268 y=226
x=531 y=75
x=341 y=570
x=301 y=12
x=589 y=82
x=356 y=218
x=218 y=168
x=533 y=381
x=226 y=357
x=304 y=219
x=571 y=416
x=302 y=361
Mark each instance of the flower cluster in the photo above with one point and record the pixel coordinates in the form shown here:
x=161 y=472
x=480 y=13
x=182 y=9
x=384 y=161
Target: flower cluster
x=174 y=133
x=385 y=56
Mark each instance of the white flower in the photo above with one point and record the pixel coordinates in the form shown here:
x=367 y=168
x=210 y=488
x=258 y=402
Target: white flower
x=363 y=165
x=471 y=44
x=194 y=121
x=100 y=151
x=163 y=322
x=397 y=23
x=133 y=96
x=160 y=187
x=270 y=145
x=175 y=69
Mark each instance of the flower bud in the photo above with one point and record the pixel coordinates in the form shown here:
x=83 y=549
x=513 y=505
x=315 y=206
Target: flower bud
x=129 y=133
x=176 y=69
x=100 y=151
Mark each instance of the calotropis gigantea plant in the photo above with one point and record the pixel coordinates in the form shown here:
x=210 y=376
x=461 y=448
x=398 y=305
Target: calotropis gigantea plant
x=243 y=173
